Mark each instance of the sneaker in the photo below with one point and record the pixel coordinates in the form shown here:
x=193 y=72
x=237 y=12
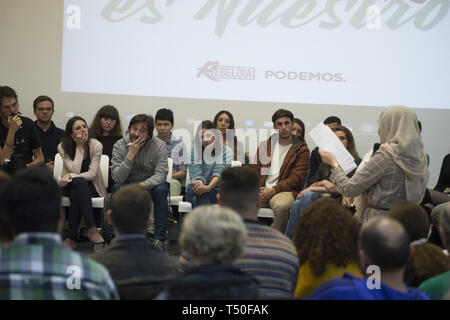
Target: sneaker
x=160 y=244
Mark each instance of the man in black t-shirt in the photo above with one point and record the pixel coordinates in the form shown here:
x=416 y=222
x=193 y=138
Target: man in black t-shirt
x=20 y=146
x=49 y=134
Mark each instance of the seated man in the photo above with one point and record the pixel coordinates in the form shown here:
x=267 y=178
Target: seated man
x=176 y=149
x=139 y=270
x=37 y=266
x=19 y=139
x=141 y=158
x=50 y=135
x=385 y=244
x=284 y=175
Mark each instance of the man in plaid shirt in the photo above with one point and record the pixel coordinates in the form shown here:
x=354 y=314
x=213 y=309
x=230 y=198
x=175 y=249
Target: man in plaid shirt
x=37 y=266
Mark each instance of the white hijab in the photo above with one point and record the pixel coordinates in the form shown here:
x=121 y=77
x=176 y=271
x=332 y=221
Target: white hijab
x=400 y=137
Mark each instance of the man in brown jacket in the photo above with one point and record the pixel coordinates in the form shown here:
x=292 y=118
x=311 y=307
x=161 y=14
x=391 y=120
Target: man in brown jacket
x=282 y=173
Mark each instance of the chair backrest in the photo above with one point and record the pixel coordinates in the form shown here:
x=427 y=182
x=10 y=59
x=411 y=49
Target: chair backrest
x=169 y=173
x=58 y=168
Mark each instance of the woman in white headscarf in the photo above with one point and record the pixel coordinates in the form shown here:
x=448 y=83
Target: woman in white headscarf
x=397 y=171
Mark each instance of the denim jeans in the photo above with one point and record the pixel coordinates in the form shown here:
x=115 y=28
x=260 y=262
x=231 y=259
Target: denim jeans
x=297 y=209
x=204 y=199
x=161 y=207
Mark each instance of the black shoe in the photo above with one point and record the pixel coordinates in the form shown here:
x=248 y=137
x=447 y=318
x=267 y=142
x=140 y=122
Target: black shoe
x=109 y=237
x=160 y=244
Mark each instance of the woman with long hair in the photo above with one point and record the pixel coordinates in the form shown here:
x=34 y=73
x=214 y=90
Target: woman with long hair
x=209 y=157
x=81 y=178
x=398 y=171
x=107 y=128
x=321 y=183
x=224 y=121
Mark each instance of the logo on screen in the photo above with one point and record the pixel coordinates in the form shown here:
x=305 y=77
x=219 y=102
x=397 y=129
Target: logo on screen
x=213 y=71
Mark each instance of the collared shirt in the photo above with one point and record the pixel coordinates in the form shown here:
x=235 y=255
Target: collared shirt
x=38 y=267
x=175 y=148
x=50 y=140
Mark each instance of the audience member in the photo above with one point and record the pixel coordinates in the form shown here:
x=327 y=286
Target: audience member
x=299 y=129
x=224 y=122
x=439 y=286
x=316 y=160
x=326 y=237
x=139 y=157
x=268 y=255
x=396 y=172
x=139 y=269
x=209 y=157
x=413 y=218
x=49 y=134
x=81 y=178
x=6 y=231
x=383 y=242
x=214 y=238
x=37 y=266
x=282 y=177
x=176 y=149
x=320 y=183
x=20 y=146
x=107 y=128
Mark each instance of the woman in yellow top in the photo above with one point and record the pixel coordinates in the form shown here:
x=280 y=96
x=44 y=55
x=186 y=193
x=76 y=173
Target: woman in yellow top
x=326 y=238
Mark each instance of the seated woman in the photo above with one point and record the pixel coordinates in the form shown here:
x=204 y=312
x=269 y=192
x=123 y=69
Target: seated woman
x=299 y=129
x=107 y=129
x=326 y=238
x=224 y=121
x=204 y=170
x=321 y=183
x=397 y=171
x=81 y=178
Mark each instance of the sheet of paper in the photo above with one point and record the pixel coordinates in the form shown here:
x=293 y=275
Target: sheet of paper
x=326 y=140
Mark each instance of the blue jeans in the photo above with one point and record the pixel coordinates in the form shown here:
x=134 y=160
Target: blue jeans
x=297 y=209
x=161 y=207
x=199 y=200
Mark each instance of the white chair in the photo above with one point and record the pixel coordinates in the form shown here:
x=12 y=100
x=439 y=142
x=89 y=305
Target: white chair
x=265 y=213
x=97 y=202
x=184 y=206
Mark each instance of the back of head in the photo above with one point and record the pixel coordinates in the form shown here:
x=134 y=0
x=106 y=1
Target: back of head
x=130 y=208
x=213 y=235
x=282 y=113
x=413 y=218
x=326 y=233
x=386 y=243
x=164 y=114
x=397 y=121
x=31 y=201
x=427 y=261
x=6 y=232
x=332 y=119
x=239 y=190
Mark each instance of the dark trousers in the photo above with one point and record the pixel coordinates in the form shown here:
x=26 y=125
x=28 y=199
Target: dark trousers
x=204 y=199
x=161 y=207
x=80 y=193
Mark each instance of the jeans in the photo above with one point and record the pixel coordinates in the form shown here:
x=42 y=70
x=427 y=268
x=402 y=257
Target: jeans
x=161 y=207
x=297 y=209
x=204 y=199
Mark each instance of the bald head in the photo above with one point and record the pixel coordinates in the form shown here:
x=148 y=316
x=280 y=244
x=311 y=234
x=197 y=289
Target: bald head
x=385 y=242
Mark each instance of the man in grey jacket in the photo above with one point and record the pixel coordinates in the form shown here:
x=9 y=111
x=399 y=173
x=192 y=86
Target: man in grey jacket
x=141 y=158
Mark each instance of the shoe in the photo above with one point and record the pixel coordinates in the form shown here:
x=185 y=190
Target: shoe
x=94 y=236
x=160 y=245
x=69 y=243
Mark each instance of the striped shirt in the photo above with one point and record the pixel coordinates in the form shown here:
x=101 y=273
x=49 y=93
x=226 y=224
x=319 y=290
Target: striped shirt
x=270 y=257
x=38 y=267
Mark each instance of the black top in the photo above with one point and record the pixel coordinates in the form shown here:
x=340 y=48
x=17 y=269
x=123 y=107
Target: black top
x=25 y=140
x=108 y=143
x=314 y=163
x=444 y=175
x=50 y=140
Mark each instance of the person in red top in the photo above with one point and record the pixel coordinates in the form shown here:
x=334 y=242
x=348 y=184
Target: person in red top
x=283 y=176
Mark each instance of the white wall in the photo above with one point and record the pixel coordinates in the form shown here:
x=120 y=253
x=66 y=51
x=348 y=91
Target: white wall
x=30 y=62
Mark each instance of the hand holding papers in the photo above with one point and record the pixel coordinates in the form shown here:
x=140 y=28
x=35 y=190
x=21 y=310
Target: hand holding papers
x=326 y=140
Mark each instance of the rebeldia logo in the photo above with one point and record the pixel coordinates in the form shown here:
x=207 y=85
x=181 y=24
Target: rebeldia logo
x=213 y=71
